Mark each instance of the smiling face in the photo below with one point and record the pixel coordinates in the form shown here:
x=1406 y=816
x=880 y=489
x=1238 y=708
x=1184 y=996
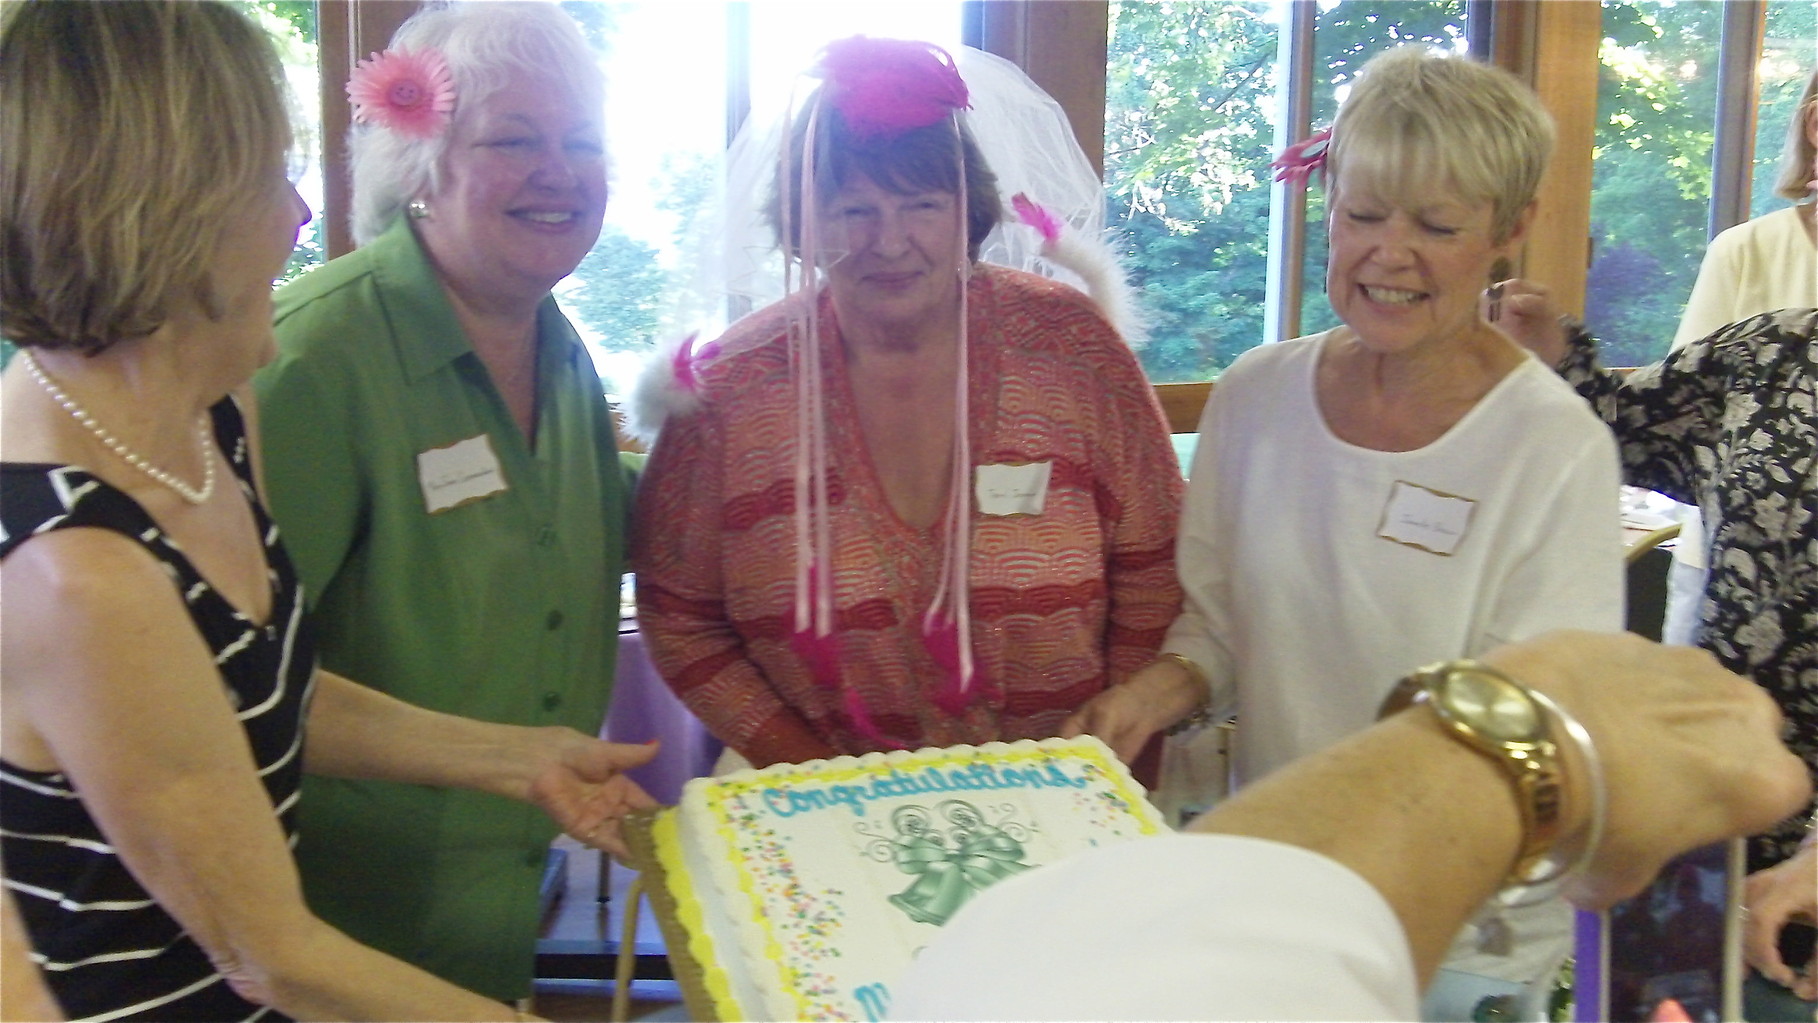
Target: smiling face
x=522 y=193
x=895 y=258
x=1406 y=274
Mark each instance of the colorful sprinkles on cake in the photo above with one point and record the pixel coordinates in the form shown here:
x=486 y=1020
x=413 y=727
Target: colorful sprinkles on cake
x=809 y=919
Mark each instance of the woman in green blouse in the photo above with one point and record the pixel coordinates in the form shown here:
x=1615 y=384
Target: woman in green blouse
x=443 y=466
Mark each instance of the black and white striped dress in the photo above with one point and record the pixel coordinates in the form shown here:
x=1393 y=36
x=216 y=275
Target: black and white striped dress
x=106 y=948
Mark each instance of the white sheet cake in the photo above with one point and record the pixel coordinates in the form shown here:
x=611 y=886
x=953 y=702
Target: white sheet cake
x=804 y=889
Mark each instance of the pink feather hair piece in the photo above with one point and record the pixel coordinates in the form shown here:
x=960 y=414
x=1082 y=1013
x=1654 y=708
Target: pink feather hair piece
x=1092 y=259
x=682 y=366
x=668 y=385
x=1038 y=217
x=1300 y=160
x=885 y=87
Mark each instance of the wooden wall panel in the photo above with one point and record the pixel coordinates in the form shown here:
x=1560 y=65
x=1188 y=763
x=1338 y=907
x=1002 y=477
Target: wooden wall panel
x=1061 y=45
x=346 y=32
x=1552 y=45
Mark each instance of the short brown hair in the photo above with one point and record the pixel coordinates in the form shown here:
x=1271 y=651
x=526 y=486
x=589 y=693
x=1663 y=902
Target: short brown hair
x=130 y=133
x=917 y=160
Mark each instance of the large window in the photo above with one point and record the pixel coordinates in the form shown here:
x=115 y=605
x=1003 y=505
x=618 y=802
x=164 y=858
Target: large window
x=1197 y=97
x=1658 y=104
x=292 y=27
x=679 y=78
x=1195 y=108
x=1789 y=51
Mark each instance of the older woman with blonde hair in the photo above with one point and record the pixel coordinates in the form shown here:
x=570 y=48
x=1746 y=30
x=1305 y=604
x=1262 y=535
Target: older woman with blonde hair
x=1408 y=485
x=159 y=670
x=445 y=468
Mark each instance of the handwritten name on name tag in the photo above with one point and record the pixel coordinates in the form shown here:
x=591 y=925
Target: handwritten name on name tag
x=1428 y=519
x=464 y=471
x=1012 y=489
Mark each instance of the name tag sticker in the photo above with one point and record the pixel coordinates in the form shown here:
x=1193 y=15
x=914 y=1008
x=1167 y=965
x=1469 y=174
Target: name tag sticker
x=1012 y=489
x=1427 y=519
x=464 y=471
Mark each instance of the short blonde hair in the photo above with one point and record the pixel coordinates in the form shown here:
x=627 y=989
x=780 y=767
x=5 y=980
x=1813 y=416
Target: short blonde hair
x=131 y=133
x=1418 y=121
x=487 y=45
x=1796 y=170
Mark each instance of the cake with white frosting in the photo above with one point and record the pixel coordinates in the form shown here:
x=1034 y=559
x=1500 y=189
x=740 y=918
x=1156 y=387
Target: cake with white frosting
x=801 y=891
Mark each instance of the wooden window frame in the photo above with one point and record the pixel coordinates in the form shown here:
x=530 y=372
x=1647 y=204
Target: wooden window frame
x=1550 y=44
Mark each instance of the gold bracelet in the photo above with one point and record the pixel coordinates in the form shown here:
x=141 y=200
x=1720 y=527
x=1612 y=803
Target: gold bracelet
x=1202 y=713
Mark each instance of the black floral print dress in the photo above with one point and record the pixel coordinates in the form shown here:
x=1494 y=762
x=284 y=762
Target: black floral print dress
x=1730 y=423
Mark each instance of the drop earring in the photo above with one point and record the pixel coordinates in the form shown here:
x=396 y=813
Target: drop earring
x=1499 y=272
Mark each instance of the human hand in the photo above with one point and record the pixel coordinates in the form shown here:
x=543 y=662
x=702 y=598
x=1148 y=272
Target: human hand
x=1781 y=894
x=584 y=790
x=1691 y=752
x=1125 y=716
x=1526 y=313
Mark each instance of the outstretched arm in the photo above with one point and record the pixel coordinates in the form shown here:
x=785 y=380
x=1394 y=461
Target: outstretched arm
x=108 y=683
x=682 y=602
x=1321 y=868
x=1527 y=314
x=1691 y=756
x=1663 y=414
x=1195 y=671
x=357 y=732
x=1143 y=480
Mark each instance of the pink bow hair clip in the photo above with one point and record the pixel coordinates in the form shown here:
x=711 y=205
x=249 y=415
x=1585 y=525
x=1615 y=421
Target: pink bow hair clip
x=1300 y=160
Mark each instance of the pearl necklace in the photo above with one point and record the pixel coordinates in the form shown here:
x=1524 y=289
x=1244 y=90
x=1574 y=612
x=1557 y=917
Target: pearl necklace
x=188 y=493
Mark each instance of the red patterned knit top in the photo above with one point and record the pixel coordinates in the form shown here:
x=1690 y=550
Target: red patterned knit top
x=1064 y=603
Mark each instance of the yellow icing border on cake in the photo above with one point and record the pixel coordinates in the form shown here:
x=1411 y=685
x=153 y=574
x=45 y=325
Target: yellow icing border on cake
x=747 y=884
x=688 y=912
x=1116 y=774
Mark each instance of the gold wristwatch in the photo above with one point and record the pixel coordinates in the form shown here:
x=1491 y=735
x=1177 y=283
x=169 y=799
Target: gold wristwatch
x=1500 y=718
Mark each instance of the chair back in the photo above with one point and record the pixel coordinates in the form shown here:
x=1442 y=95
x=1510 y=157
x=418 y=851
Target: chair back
x=1648 y=565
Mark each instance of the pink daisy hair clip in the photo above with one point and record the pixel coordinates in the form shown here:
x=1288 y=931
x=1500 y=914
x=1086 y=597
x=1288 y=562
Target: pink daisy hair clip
x=1300 y=160
x=410 y=92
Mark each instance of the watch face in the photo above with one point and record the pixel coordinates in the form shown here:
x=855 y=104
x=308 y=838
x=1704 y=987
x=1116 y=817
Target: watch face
x=1496 y=709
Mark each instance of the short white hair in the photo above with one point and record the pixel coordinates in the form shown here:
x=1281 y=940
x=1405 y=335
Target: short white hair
x=1418 y=120
x=487 y=46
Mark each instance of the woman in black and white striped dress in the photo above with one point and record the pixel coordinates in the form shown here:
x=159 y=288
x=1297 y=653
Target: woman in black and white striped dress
x=158 y=666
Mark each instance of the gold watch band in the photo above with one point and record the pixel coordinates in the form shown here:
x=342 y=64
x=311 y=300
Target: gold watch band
x=1522 y=747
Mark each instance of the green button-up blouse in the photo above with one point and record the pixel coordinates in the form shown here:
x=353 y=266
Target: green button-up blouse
x=502 y=607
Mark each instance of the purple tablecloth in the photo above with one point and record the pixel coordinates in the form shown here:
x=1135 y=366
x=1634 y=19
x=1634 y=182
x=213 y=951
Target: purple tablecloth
x=644 y=708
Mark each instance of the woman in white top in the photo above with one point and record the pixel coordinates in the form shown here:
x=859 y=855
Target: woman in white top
x=1408 y=485
x=1758 y=266
x=1770 y=262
